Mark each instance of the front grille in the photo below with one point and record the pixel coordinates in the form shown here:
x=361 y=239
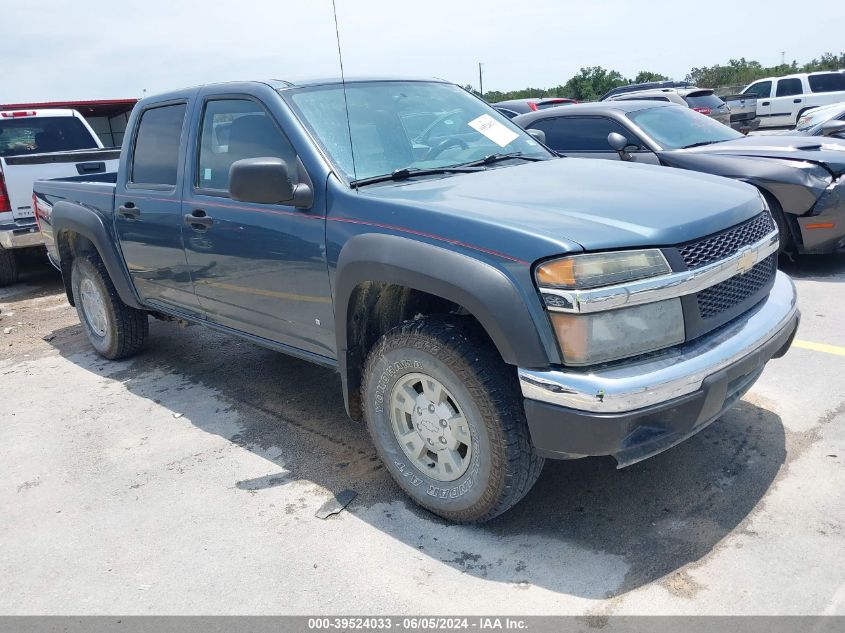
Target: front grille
x=726 y=243
x=730 y=293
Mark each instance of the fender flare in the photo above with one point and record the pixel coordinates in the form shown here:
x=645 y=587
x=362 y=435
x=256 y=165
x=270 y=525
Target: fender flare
x=480 y=288
x=74 y=218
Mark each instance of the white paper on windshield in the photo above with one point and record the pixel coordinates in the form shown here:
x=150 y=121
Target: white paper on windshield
x=492 y=129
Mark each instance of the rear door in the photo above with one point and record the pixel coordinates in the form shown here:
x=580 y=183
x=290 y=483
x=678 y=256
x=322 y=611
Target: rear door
x=762 y=90
x=787 y=101
x=586 y=137
x=148 y=209
x=258 y=268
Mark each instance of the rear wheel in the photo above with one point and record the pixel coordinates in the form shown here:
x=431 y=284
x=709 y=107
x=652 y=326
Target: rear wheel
x=114 y=329
x=446 y=417
x=8 y=267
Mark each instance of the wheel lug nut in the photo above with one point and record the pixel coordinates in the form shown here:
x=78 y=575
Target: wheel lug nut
x=431 y=408
x=442 y=440
x=430 y=441
x=443 y=423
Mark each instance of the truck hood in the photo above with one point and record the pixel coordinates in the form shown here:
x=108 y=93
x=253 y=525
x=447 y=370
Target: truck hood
x=596 y=204
x=826 y=152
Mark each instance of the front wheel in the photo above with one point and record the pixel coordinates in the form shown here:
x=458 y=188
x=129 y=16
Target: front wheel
x=115 y=329
x=446 y=417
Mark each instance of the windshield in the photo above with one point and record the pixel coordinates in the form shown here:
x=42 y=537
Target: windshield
x=405 y=124
x=677 y=127
x=38 y=135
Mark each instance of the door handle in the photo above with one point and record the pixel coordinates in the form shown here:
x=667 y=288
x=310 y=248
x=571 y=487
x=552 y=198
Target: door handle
x=90 y=168
x=129 y=211
x=198 y=218
x=796 y=101
x=766 y=103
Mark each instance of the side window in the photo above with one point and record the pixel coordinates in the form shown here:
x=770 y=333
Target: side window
x=789 y=87
x=233 y=129
x=582 y=134
x=761 y=89
x=155 y=159
x=827 y=82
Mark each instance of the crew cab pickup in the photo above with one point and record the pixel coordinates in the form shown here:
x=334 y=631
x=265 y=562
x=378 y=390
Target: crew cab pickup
x=486 y=303
x=39 y=144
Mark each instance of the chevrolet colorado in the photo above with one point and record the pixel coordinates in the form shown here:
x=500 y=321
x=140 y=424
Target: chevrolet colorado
x=487 y=304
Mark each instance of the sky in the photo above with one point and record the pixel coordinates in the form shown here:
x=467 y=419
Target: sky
x=94 y=49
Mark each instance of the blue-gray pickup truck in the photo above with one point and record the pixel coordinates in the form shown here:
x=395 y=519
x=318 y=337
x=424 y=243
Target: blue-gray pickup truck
x=486 y=303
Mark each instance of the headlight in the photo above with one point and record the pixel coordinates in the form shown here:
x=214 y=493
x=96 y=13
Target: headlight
x=599 y=337
x=601 y=269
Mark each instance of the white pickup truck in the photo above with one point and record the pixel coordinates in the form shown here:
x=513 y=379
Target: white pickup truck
x=782 y=100
x=40 y=144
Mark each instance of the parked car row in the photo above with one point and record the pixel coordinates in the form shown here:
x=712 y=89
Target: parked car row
x=487 y=303
x=770 y=103
x=801 y=179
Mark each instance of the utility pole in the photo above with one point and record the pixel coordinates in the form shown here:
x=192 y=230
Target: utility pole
x=480 y=80
x=783 y=58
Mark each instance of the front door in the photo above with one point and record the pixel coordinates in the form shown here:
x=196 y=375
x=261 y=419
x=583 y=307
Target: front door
x=257 y=268
x=148 y=211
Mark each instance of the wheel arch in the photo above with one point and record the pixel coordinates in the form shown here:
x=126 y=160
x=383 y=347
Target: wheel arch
x=441 y=280
x=80 y=231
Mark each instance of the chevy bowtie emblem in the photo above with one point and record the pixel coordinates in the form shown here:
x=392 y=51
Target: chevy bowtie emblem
x=746 y=261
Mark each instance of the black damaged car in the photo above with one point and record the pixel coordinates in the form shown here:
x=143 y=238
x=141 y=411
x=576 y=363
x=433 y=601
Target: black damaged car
x=801 y=178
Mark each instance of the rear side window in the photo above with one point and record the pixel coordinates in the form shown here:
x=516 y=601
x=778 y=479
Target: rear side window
x=827 y=82
x=582 y=134
x=155 y=160
x=761 y=89
x=789 y=87
x=38 y=135
x=704 y=100
x=234 y=129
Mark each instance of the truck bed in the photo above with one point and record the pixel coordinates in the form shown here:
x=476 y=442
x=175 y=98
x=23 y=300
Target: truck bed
x=94 y=192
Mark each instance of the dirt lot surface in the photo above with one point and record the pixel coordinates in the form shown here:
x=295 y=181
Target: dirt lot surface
x=186 y=481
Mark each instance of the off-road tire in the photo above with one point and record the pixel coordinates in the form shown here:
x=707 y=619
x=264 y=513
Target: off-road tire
x=503 y=465
x=8 y=267
x=127 y=327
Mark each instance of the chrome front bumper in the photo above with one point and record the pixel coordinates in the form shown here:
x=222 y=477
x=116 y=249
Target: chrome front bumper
x=20 y=235
x=670 y=374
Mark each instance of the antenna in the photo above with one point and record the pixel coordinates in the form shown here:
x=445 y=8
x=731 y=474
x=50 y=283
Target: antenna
x=343 y=84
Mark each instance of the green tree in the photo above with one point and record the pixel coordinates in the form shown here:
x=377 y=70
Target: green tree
x=646 y=75
x=592 y=82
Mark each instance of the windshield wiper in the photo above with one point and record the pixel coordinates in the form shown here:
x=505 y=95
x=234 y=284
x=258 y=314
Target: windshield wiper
x=495 y=158
x=410 y=172
x=699 y=144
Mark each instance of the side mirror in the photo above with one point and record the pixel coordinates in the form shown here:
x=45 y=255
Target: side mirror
x=266 y=181
x=832 y=128
x=620 y=144
x=540 y=135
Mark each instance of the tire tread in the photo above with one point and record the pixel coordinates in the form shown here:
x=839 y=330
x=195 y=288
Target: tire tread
x=492 y=383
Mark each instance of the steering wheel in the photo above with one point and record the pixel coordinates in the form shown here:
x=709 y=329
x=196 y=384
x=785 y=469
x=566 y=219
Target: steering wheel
x=445 y=144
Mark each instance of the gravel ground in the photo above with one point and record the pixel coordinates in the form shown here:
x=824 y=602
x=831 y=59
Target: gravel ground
x=185 y=481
